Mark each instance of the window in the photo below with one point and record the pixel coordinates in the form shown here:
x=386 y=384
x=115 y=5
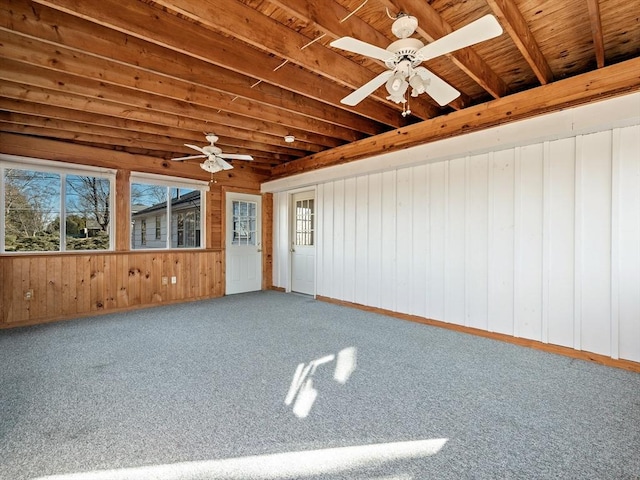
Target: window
x=244 y=223
x=48 y=208
x=176 y=207
x=143 y=231
x=304 y=222
x=188 y=229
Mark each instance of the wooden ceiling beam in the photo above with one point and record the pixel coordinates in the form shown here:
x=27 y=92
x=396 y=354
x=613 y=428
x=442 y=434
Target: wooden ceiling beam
x=83 y=36
x=171 y=32
x=53 y=131
x=596 y=85
x=516 y=26
x=64 y=61
x=596 y=31
x=52 y=112
x=68 y=129
x=243 y=23
x=19 y=91
x=29 y=75
x=243 y=177
x=329 y=17
x=35 y=125
x=92 y=120
x=116 y=144
x=432 y=26
x=255 y=140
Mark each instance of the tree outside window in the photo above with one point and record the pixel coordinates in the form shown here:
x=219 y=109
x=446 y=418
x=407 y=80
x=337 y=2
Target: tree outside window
x=35 y=201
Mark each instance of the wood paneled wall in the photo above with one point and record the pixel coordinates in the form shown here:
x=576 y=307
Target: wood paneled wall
x=70 y=285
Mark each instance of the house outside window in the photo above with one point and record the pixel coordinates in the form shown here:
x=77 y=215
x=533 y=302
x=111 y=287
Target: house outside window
x=188 y=229
x=175 y=208
x=143 y=231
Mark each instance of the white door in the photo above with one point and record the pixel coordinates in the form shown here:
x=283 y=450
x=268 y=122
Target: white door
x=243 y=243
x=303 y=250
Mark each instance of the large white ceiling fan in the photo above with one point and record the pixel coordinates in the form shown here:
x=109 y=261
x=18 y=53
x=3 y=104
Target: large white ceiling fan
x=404 y=56
x=215 y=159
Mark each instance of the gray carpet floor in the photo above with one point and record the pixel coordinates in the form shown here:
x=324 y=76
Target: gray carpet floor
x=197 y=391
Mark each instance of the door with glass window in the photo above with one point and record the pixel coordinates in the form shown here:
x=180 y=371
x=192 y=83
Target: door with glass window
x=303 y=250
x=243 y=243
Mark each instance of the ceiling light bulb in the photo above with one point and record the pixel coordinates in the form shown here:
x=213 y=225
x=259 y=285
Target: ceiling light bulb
x=397 y=87
x=210 y=165
x=289 y=138
x=418 y=85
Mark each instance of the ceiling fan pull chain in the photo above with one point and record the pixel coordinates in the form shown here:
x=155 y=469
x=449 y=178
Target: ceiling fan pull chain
x=406 y=109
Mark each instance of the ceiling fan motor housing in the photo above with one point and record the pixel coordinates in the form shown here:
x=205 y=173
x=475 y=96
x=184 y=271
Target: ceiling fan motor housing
x=404 y=49
x=404 y=26
x=212 y=150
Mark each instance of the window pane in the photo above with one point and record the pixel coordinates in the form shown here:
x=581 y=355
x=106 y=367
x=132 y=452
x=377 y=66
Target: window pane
x=148 y=202
x=165 y=216
x=32 y=208
x=304 y=223
x=88 y=213
x=244 y=223
x=185 y=206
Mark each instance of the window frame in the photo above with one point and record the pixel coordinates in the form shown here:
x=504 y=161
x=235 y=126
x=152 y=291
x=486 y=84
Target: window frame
x=62 y=169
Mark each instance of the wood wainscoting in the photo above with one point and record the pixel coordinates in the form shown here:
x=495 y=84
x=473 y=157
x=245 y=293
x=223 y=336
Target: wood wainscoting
x=46 y=287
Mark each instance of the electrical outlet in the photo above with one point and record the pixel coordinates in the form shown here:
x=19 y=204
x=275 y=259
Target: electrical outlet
x=174 y=280
x=28 y=294
x=165 y=280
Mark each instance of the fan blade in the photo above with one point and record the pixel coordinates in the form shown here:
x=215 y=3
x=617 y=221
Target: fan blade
x=191 y=157
x=354 y=45
x=234 y=156
x=195 y=147
x=366 y=89
x=438 y=89
x=478 y=31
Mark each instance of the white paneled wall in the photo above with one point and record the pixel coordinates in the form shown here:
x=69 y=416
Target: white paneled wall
x=539 y=241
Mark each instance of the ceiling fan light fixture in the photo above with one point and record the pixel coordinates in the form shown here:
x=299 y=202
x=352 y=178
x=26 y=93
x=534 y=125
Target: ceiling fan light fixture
x=289 y=138
x=397 y=87
x=418 y=85
x=211 y=166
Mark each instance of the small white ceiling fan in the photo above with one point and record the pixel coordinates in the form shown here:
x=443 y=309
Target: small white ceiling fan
x=215 y=159
x=404 y=56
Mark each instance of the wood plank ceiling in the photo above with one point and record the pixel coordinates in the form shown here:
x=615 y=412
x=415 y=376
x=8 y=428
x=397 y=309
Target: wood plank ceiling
x=148 y=76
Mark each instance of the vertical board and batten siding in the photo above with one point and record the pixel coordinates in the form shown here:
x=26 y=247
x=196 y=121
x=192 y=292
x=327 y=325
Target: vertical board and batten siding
x=539 y=241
